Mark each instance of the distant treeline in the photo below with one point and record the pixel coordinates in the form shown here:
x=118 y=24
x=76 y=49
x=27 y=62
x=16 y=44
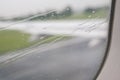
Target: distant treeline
x=63 y=14
x=91 y=9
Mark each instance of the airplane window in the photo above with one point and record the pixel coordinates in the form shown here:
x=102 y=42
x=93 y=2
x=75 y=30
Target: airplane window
x=53 y=39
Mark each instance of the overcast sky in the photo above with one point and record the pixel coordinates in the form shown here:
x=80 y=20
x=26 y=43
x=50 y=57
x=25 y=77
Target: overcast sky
x=18 y=7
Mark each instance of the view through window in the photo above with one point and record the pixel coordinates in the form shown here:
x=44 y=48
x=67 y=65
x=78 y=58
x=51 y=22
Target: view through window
x=52 y=39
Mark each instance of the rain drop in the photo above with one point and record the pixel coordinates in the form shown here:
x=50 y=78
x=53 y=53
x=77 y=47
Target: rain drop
x=93 y=12
x=89 y=16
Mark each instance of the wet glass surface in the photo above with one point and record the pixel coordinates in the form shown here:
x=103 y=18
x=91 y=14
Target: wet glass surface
x=52 y=39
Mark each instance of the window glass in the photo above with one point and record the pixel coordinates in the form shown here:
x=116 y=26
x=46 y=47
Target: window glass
x=52 y=39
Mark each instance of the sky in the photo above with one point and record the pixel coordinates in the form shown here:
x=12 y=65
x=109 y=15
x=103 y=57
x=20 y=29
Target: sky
x=9 y=8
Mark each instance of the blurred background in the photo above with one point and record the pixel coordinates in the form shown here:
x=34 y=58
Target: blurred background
x=24 y=23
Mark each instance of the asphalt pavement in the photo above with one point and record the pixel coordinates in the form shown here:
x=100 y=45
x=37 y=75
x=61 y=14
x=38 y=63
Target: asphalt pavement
x=76 y=60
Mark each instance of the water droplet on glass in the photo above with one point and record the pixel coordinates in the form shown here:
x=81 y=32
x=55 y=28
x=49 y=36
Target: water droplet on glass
x=68 y=9
x=41 y=37
x=93 y=12
x=23 y=39
x=53 y=15
x=63 y=15
x=89 y=16
x=23 y=35
x=38 y=56
x=44 y=28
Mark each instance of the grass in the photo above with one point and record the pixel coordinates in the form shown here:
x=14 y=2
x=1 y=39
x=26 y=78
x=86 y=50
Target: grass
x=11 y=40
